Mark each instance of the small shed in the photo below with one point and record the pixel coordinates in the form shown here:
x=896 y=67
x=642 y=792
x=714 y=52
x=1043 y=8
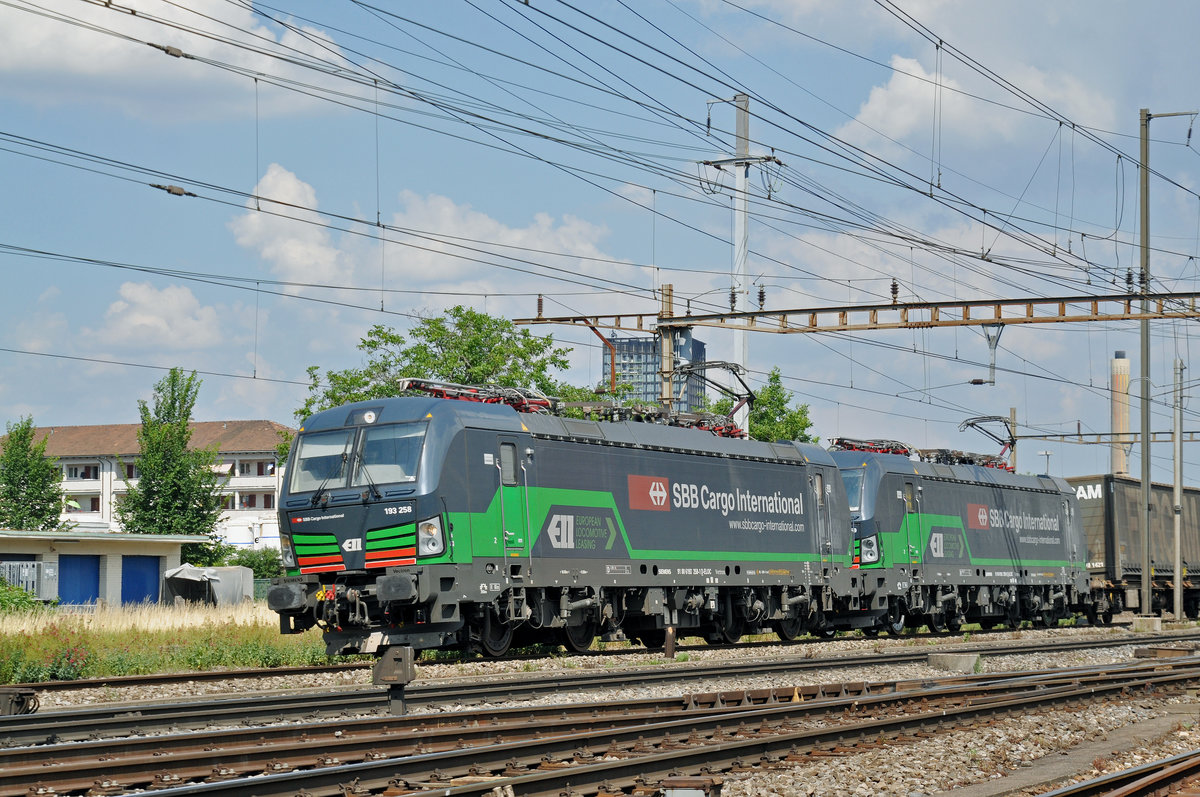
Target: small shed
x=84 y=566
x=216 y=585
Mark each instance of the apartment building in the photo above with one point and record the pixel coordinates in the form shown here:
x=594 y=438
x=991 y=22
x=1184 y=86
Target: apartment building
x=638 y=362
x=99 y=462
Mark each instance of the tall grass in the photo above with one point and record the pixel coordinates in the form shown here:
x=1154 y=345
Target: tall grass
x=52 y=644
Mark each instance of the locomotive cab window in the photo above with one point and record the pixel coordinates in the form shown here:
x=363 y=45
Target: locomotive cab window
x=389 y=454
x=819 y=488
x=321 y=460
x=853 y=479
x=910 y=498
x=508 y=463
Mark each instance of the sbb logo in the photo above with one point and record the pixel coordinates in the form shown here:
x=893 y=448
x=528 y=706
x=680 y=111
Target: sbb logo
x=977 y=516
x=649 y=492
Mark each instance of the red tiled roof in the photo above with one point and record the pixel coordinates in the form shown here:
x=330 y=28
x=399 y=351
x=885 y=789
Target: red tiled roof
x=230 y=437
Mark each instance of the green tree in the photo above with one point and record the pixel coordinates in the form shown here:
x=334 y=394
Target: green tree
x=30 y=482
x=462 y=345
x=178 y=489
x=772 y=418
x=265 y=562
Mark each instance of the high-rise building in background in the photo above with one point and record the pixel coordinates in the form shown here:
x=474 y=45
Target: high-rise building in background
x=638 y=362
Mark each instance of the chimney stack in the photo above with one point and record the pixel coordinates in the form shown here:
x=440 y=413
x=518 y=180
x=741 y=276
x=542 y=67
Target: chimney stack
x=1120 y=413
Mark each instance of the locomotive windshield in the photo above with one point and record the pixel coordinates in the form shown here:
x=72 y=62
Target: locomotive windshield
x=379 y=455
x=853 y=479
x=389 y=454
x=321 y=460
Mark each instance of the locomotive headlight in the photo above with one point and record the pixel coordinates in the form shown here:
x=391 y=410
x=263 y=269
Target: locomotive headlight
x=285 y=551
x=869 y=549
x=430 y=541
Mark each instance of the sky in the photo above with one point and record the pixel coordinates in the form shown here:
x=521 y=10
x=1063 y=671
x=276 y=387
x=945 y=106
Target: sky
x=341 y=164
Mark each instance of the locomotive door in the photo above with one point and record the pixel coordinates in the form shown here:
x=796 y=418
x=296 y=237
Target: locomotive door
x=824 y=530
x=912 y=524
x=514 y=502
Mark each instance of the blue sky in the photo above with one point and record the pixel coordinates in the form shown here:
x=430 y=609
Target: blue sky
x=408 y=157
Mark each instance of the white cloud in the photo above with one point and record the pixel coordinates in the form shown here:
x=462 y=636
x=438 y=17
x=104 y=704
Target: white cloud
x=295 y=242
x=170 y=318
x=106 y=58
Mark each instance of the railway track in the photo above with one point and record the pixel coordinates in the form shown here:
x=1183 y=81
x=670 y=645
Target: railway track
x=123 y=720
x=573 y=749
x=1178 y=775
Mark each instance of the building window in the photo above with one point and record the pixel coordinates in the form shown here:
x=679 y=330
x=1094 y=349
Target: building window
x=131 y=471
x=268 y=500
x=227 y=502
x=95 y=503
x=249 y=501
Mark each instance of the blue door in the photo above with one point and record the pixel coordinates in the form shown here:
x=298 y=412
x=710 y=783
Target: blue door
x=78 y=578
x=139 y=579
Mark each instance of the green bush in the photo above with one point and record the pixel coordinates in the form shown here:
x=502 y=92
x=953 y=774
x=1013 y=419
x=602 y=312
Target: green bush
x=15 y=599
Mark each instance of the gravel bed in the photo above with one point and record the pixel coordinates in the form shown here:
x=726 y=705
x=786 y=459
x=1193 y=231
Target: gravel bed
x=623 y=656
x=913 y=769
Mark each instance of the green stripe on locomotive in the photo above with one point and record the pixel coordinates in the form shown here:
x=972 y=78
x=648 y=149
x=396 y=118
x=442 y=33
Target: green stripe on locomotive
x=486 y=531
x=907 y=545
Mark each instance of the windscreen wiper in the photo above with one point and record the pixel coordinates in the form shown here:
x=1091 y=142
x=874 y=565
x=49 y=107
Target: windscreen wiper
x=316 y=499
x=362 y=467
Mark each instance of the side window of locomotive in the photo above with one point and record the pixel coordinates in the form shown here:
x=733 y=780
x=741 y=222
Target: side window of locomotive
x=819 y=488
x=910 y=500
x=389 y=454
x=508 y=464
x=321 y=460
x=852 y=478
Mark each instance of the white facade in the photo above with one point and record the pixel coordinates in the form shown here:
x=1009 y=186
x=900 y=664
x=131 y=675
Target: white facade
x=100 y=462
x=92 y=485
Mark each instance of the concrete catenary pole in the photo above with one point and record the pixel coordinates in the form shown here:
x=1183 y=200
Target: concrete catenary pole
x=741 y=241
x=1144 y=118
x=1177 y=505
x=1144 y=228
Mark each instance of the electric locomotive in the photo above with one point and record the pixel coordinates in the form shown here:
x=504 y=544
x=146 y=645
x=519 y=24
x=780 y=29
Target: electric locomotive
x=472 y=517
x=954 y=538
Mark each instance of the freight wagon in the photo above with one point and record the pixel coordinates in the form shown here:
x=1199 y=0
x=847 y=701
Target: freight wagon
x=1110 y=508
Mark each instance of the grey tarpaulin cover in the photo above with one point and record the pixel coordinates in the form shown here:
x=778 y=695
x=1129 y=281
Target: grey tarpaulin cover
x=208 y=584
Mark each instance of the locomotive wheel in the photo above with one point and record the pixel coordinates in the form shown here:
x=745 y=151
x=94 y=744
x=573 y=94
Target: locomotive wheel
x=579 y=637
x=988 y=625
x=871 y=632
x=726 y=633
x=895 y=626
x=1106 y=618
x=495 y=638
x=954 y=624
x=789 y=628
x=936 y=623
